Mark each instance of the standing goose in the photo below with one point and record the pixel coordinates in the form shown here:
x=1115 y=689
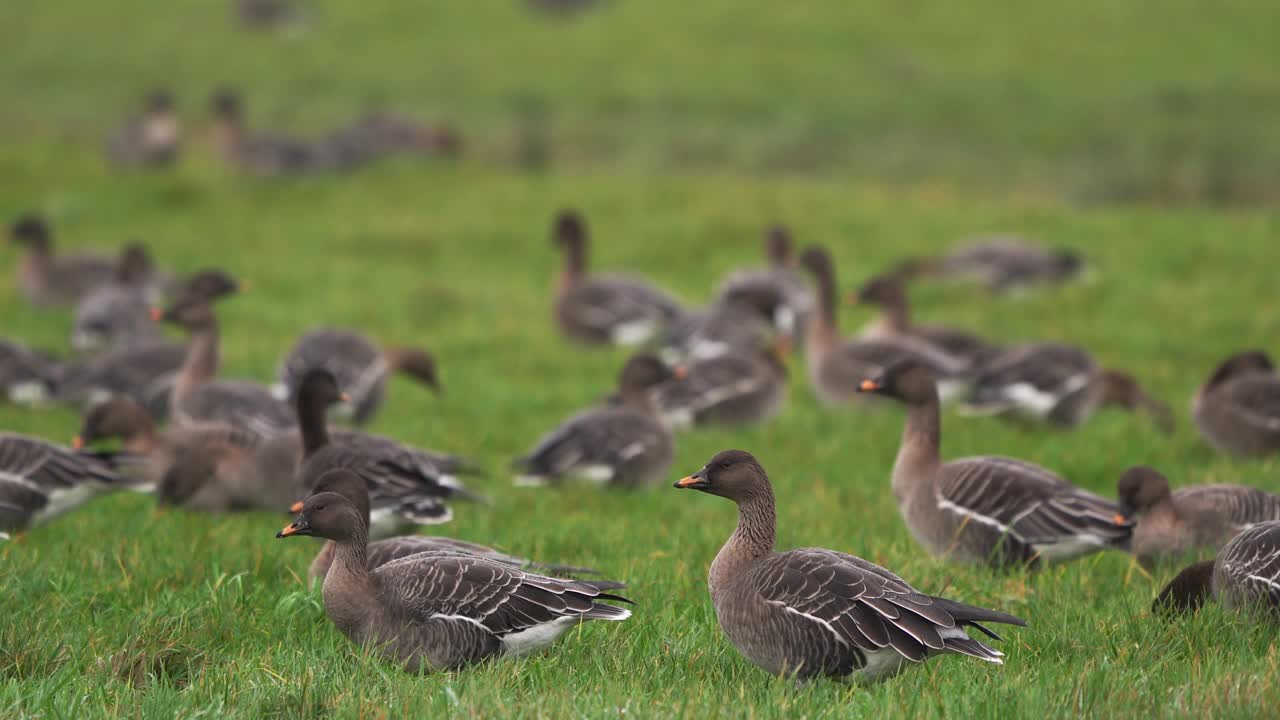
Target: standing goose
x=604 y=309
x=819 y=613
x=836 y=366
x=1172 y=524
x=1245 y=576
x=437 y=611
x=779 y=286
x=47 y=279
x=622 y=445
x=1237 y=410
x=987 y=510
x=888 y=293
x=999 y=263
x=352 y=487
x=27 y=377
x=151 y=139
x=1059 y=384
x=118 y=314
x=740 y=388
x=40 y=480
x=360 y=366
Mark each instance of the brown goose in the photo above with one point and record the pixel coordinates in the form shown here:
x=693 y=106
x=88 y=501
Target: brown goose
x=380 y=133
x=740 y=388
x=888 y=293
x=360 y=366
x=819 y=613
x=271 y=154
x=604 y=309
x=623 y=445
x=151 y=139
x=1172 y=524
x=987 y=510
x=27 y=377
x=438 y=611
x=739 y=323
x=1237 y=410
x=1245 y=576
x=779 y=286
x=836 y=367
x=999 y=263
x=1059 y=384
x=381 y=552
x=40 y=481
x=47 y=279
x=118 y=314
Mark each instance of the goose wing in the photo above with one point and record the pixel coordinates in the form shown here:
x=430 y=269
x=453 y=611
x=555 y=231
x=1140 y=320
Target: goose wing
x=1252 y=562
x=237 y=402
x=1046 y=368
x=1244 y=506
x=593 y=444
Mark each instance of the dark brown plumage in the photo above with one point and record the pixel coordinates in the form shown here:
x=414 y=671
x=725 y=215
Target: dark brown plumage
x=888 y=293
x=1244 y=577
x=742 y=387
x=47 y=279
x=1237 y=410
x=40 y=480
x=999 y=263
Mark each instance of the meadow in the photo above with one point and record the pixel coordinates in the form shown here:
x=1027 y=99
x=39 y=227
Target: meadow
x=1146 y=139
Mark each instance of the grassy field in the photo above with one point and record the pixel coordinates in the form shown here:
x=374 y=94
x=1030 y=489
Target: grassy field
x=680 y=129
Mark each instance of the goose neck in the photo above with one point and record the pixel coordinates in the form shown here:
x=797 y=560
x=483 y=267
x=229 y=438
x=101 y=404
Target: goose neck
x=751 y=540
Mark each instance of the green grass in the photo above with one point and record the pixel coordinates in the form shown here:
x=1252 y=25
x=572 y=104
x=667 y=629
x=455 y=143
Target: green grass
x=665 y=117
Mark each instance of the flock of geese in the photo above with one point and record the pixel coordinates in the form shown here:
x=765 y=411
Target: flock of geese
x=429 y=602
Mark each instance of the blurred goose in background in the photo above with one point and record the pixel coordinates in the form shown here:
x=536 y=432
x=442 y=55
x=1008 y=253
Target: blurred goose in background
x=604 y=309
x=40 y=481
x=889 y=294
x=47 y=279
x=439 y=611
x=998 y=263
x=819 y=613
x=780 y=286
x=622 y=445
x=987 y=510
x=151 y=139
x=269 y=154
x=1237 y=410
x=726 y=326
x=360 y=366
x=1058 y=384
x=1172 y=524
x=118 y=314
x=381 y=133
x=742 y=387
x=268 y=15
x=1244 y=577
x=837 y=366
x=27 y=377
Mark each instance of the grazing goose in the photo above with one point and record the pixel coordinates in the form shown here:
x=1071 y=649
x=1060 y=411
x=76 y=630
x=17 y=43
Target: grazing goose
x=779 y=286
x=271 y=154
x=118 y=314
x=360 y=366
x=603 y=309
x=740 y=388
x=888 y=293
x=381 y=552
x=439 y=611
x=622 y=445
x=198 y=396
x=1059 y=384
x=381 y=133
x=1244 y=577
x=40 y=480
x=727 y=325
x=836 y=367
x=999 y=263
x=819 y=613
x=1172 y=524
x=27 y=377
x=987 y=510
x=151 y=139
x=47 y=279
x=1237 y=410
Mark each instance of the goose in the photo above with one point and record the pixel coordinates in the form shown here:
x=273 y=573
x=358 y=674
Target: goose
x=622 y=445
x=40 y=481
x=814 y=612
x=999 y=263
x=725 y=326
x=27 y=377
x=47 y=279
x=271 y=154
x=361 y=367
x=380 y=133
x=1237 y=410
x=1172 y=524
x=439 y=611
x=888 y=293
x=604 y=309
x=1058 y=384
x=836 y=366
x=118 y=314
x=151 y=139
x=987 y=510
x=381 y=552
x=739 y=388
x=1244 y=577
x=779 y=286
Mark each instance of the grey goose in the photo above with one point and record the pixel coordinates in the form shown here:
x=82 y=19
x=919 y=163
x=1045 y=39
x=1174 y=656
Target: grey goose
x=987 y=510
x=360 y=366
x=1244 y=577
x=40 y=481
x=888 y=293
x=1058 y=384
x=780 y=286
x=1237 y=410
x=1174 y=523
x=440 y=611
x=151 y=139
x=836 y=366
x=275 y=153
x=621 y=445
x=118 y=313
x=814 y=612
x=723 y=327
x=743 y=387
x=1000 y=263
x=604 y=309
x=48 y=279
x=27 y=377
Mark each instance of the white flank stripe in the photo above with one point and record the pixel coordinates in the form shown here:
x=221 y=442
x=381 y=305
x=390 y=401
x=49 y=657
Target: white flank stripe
x=537 y=637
